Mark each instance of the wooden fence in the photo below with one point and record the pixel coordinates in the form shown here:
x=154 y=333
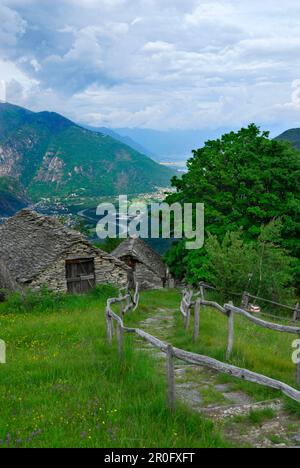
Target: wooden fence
x=190 y=301
x=296 y=309
x=173 y=353
x=246 y=297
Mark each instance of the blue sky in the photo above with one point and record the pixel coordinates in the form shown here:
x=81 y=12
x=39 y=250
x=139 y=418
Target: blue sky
x=156 y=64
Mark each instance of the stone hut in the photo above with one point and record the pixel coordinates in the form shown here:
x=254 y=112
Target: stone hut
x=148 y=268
x=37 y=251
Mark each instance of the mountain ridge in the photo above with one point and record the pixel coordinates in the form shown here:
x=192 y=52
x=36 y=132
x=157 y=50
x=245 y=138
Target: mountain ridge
x=123 y=139
x=292 y=135
x=49 y=155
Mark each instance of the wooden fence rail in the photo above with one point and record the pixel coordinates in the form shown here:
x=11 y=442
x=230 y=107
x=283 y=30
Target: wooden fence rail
x=229 y=310
x=263 y=323
x=246 y=296
x=173 y=353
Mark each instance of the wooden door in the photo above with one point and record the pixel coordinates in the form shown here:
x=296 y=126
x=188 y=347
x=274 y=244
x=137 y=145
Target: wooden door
x=80 y=274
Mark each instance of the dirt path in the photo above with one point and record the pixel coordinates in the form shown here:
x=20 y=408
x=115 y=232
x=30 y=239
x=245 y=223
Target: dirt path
x=241 y=420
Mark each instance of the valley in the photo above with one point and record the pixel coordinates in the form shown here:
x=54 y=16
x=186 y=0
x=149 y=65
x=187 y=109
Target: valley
x=79 y=212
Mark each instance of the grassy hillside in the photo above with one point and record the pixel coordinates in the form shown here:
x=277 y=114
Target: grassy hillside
x=51 y=156
x=63 y=386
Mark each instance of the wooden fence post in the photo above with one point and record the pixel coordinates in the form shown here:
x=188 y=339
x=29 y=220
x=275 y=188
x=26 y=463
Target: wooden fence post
x=112 y=324
x=188 y=317
x=120 y=335
x=128 y=300
x=120 y=304
x=230 y=315
x=197 y=319
x=136 y=297
x=245 y=300
x=297 y=312
x=109 y=327
x=298 y=365
x=171 y=378
x=298 y=373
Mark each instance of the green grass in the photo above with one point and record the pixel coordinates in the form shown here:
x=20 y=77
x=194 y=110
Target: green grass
x=63 y=386
x=276 y=440
x=255 y=417
x=260 y=416
x=257 y=349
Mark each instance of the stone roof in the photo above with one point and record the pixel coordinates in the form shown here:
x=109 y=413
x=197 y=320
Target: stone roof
x=31 y=242
x=141 y=252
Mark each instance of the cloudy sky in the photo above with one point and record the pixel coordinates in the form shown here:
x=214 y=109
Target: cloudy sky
x=160 y=64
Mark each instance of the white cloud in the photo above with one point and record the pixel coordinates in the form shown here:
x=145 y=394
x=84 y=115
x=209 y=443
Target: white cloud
x=158 y=46
x=155 y=64
x=212 y=11
x=12 y=27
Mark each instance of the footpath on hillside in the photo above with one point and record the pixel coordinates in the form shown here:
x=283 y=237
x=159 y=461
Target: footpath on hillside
x=241 y=420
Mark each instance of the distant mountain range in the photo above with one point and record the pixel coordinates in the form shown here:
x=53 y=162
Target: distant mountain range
x=170 y=145
x=293 y=136
x=123 y=139
x=177 y=145
x=162 y=145
x=45 y=155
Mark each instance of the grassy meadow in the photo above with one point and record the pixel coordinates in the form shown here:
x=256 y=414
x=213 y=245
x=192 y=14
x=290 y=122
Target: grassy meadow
x=63 y=386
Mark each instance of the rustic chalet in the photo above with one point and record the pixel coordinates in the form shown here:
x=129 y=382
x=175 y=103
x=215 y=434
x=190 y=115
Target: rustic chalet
x=148 y=268
x=37 y=251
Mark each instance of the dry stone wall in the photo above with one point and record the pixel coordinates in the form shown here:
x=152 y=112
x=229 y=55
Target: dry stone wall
x=106 y=270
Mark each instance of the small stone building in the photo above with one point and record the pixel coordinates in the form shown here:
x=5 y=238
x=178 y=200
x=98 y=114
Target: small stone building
x=148 y=268
x=37 y=251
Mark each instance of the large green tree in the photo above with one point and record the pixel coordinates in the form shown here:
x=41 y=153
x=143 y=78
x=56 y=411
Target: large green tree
x=245 y=179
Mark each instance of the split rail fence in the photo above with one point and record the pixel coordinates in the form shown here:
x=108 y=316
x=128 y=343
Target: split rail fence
x=195 y=301
x=127 y=303
x=247 y=297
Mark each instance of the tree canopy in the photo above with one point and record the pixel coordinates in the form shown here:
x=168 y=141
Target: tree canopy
x=246 y=180
x=260 y=267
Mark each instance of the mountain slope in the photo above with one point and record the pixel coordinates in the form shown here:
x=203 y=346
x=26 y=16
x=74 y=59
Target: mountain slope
x=51 y=156
x=292 y=136
x=12 y=197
